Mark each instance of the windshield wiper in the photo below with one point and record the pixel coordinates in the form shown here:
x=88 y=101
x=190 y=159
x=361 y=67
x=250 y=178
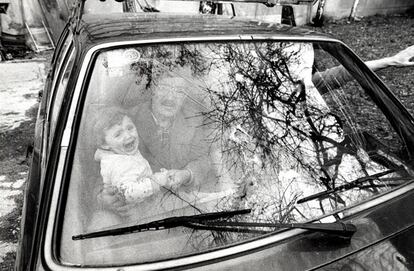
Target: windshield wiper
x=355 y=183
x=212 y=222
x=167 y=223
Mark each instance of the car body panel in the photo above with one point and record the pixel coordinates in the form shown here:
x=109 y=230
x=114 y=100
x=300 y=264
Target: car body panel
x=309 y=253
x=371 y=258
x=42 y=143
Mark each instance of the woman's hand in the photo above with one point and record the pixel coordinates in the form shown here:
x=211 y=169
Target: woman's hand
x=112 y=200
x=404 y=58
x=161 y=178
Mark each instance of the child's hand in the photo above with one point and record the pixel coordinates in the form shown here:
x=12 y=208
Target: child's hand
x=110 y=199
x=178 y=177
x=161 y=178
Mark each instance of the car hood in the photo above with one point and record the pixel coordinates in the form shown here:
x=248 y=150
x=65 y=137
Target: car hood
x=397 y=247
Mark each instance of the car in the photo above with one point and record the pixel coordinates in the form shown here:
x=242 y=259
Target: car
x=204 y=142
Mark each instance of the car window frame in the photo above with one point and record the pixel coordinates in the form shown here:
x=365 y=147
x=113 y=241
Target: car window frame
x=68 y=144
x=61 y=50
x=58 y=92
x=49 y=129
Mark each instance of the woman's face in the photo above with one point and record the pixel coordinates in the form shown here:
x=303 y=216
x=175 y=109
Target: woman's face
x=168 y=96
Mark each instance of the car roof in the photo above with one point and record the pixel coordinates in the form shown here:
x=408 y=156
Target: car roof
x=102 y=28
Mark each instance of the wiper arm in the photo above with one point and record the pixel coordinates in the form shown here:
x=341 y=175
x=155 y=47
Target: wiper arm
x=338 y=228
x=347 y=186
x=208 y=221
x=167 y=223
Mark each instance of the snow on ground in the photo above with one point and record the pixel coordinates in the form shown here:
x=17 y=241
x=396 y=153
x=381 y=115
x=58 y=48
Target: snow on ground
x=7 y=201
x=20 y=83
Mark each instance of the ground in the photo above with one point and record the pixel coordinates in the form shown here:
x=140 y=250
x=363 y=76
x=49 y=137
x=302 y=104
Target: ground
x=370 y=38
x=21 y=81
x=380 y=36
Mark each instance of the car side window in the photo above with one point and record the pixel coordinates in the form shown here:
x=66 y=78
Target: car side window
x=57 y=94
x=59 y=63
x=61 y=53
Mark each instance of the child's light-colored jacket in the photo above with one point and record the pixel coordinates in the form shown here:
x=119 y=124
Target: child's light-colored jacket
x=130 y=174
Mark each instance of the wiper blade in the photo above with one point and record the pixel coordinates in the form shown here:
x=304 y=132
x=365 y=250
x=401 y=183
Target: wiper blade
x=208 y=221
x=347 y=186
x=167 y=223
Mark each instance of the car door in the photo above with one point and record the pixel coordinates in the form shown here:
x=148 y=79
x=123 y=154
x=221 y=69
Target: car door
x=45 y=95
x=40 y=147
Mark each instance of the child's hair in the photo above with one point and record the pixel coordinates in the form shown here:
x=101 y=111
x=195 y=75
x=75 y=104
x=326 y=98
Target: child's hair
x=106 y=118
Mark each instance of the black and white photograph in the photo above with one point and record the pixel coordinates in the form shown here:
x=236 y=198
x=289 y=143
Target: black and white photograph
x=207 y=135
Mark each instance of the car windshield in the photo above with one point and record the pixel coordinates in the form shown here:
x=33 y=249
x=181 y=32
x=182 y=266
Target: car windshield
x=291 y=131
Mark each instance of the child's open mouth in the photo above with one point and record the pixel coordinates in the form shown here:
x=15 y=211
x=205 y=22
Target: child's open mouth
x=130 y=146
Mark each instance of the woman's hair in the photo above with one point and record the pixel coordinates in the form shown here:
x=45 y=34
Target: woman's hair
x=105 y=118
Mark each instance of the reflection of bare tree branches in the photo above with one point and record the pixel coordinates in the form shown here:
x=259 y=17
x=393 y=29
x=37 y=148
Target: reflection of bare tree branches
x=265 y=100
x=266 y=123
x=265 y=120
x=262 y=98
